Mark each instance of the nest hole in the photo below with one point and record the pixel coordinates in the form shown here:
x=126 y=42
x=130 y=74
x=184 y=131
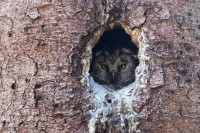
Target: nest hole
x=114 y=59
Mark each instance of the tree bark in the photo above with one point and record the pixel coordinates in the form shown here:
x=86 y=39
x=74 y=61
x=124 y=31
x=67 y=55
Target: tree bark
x=45 y=53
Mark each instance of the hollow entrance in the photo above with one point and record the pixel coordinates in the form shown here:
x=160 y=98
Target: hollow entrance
x=114 y=59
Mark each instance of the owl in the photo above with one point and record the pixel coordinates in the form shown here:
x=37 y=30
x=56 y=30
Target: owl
x=114 y=67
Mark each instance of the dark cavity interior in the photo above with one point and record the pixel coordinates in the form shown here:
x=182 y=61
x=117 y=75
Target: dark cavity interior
x=113 y=39
x=113 y=72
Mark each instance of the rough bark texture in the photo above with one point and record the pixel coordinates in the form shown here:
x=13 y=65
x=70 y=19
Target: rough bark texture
x=41 y=45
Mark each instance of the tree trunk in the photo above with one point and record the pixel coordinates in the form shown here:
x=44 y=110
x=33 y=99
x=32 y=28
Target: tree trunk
x=45 y=55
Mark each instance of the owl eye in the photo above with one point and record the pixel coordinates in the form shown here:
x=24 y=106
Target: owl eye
x=122 y=66
x=103 y=66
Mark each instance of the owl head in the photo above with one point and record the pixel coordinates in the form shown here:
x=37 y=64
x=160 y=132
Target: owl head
x=114 y=67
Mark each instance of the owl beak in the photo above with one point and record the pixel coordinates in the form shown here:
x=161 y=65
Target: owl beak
x=113 y=76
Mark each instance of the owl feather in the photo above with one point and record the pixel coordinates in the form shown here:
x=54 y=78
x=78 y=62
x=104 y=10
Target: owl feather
x=114 y=68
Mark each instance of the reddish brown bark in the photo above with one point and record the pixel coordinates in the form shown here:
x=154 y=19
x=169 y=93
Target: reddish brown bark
x=43 y=42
